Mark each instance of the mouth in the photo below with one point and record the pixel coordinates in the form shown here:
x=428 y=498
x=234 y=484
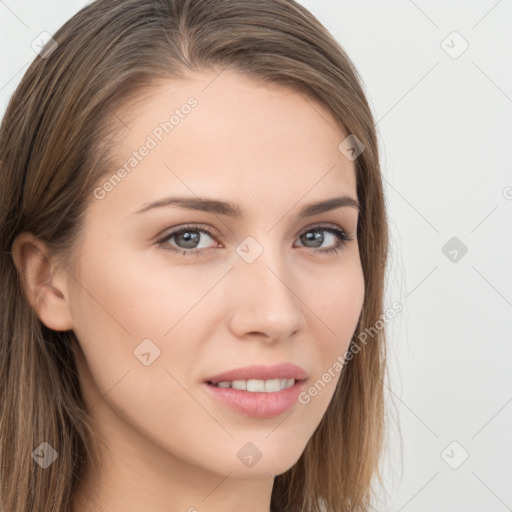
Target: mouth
x=256 y=385
x=258 y=391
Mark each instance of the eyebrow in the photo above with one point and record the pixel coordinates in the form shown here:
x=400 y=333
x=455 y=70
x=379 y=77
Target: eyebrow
x=233 y=210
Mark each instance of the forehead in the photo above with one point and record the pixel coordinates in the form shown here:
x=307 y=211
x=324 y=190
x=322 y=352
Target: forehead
x=215 y=134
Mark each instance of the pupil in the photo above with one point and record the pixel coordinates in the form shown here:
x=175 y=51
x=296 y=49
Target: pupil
x=190 y=238
x=315 y=236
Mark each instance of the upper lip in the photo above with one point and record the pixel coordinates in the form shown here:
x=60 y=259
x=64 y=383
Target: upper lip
x=260 y=372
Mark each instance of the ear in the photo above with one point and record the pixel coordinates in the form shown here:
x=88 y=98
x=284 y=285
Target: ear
x=46 y=289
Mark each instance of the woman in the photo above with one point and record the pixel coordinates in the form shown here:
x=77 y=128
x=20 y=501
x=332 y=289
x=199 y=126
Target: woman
x=137 y=377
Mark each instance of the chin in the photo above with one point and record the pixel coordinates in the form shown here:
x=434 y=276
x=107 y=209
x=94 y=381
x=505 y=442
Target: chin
x=274 y=457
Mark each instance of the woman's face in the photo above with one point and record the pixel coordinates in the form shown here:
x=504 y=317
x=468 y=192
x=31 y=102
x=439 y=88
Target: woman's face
x=157 y=321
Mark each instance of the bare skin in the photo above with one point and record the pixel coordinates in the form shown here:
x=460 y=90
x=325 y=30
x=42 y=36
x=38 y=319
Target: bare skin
x=166 y=444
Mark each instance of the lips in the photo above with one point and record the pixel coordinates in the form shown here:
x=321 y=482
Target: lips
x=260 y=372
x=258 y=391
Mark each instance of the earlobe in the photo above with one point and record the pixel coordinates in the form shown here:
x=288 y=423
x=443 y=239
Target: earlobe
x=45 y=288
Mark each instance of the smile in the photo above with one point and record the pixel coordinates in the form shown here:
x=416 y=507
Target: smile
x=257 y=385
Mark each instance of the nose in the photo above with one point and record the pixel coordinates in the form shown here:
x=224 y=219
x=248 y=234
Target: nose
x=265 y=298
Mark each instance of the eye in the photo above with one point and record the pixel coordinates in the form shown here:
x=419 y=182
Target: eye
x=315 y=235
x=189 y=238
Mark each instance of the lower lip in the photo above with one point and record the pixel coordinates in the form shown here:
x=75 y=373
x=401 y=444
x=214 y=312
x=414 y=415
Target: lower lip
x=258 y=404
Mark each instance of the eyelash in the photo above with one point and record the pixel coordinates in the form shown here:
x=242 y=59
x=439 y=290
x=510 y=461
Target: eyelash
x=342 y=236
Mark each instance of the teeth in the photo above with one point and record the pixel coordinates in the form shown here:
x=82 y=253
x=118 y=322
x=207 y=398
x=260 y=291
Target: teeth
x=271 y=386
x=258 y=386
x=255 y=385
x=239 y=384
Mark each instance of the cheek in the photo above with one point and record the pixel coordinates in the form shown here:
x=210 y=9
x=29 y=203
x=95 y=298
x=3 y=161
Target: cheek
x=134 y=295
x=118 y=307
x=335 y=310
x=336 y=302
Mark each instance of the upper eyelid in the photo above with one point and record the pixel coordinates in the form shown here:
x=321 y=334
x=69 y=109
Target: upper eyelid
x=207 y=227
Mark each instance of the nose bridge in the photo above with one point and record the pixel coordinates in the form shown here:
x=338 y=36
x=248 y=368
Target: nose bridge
x=265 y=299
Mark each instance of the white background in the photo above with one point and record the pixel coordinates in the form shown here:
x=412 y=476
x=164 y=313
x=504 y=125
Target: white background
x=445 y=128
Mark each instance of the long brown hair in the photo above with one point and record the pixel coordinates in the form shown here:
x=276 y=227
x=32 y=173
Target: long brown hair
x=54 y=142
